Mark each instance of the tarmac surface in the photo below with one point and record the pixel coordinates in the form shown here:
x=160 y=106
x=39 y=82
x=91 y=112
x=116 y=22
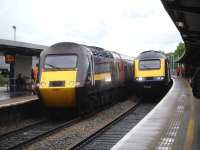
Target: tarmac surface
x=173 y=124
x=8 y=99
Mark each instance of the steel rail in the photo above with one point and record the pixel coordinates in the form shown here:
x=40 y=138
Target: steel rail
x=28 y=134
x=100 y=131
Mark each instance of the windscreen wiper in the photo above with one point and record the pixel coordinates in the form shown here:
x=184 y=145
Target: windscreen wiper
x=52 y=66
x=145 y=67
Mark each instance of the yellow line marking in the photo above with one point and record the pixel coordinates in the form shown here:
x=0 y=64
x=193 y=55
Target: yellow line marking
x=191 y=127
x=190 y=135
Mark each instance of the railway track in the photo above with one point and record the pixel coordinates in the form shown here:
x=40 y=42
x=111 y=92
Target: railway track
x=109 y=135
x=20 y=137
x=29 y=134
x=26 y=135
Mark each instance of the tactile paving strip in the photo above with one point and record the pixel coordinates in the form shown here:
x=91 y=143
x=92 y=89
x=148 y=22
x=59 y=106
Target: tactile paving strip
x=167 y=139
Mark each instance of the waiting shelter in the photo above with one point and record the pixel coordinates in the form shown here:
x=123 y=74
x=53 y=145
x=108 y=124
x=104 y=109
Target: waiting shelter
x=19 y=57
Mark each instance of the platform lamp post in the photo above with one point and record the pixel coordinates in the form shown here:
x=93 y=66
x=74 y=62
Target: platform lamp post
x=14 y=27
x=12 y=71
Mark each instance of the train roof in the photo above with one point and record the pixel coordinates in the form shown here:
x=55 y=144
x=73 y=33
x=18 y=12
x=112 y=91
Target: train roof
x=97 y=51
x=81 y=49
x=66 y=47
x=70 y=47
x=151 y=54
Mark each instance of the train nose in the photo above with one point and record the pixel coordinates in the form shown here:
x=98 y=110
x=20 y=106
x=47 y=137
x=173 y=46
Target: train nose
x=58 y=97
x=57 y=88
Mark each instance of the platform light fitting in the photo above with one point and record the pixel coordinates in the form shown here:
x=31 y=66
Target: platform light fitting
x=14 y=27
x=180 y=24
x=184 y=35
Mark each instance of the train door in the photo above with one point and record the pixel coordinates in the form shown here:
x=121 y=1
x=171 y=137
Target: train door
x=91 y=72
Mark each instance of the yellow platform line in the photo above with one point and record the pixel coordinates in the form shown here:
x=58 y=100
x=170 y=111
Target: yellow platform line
x=191 y=127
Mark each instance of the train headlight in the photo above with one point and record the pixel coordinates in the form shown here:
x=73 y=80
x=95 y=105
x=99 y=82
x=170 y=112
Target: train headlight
x=78 y=83
x=74 y=83
x=159 y=78
x=41 y=84
x=108 y=80
x=162 y=78
x=140 y=79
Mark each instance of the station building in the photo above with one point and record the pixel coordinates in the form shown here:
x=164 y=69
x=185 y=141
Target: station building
x=18 y=58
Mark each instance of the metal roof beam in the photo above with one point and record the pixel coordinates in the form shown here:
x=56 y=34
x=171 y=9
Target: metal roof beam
x=184 y=9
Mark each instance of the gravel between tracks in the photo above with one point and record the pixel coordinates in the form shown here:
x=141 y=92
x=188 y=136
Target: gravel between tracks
x=70 y=136
x=17 y=124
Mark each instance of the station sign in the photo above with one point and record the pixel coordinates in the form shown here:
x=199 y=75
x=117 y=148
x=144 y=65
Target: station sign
x=9 y=59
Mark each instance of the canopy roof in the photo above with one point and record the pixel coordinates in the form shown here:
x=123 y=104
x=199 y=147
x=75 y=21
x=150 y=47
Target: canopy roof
x=186 y=16
x=16 y=47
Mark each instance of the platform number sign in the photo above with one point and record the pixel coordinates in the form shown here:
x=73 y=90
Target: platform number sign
x=9 y=59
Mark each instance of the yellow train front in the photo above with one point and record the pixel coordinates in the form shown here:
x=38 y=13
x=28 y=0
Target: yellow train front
x=58 y=78
x=151 y=72
x=78 y=76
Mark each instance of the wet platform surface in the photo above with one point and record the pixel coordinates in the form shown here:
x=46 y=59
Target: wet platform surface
x=8 y=99
x=4 y=94
x=174 y=124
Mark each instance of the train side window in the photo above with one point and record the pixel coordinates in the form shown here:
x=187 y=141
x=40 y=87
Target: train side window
x=90 y=76
x=89 y=73
x=102 y=67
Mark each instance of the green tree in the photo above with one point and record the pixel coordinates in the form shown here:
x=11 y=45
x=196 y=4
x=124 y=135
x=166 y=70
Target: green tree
x=2 y=80
x=176 y=55
x=180 y=50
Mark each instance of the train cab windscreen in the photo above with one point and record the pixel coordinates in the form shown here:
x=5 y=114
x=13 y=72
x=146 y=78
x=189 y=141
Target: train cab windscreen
x=149 y=64
x=57 y=62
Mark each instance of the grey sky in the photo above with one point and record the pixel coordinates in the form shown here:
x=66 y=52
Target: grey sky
x=125 y=26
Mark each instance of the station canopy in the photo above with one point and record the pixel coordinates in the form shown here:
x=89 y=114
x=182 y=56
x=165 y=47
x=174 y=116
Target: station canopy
x=21 y=48
x=186 y=16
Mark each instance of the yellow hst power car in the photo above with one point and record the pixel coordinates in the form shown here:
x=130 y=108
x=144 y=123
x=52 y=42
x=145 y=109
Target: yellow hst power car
x=73 y=75
x=151 y=71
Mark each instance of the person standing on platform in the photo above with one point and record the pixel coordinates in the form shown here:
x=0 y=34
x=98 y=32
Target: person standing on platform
x=35 y=73
x=183 y=71
x=177 y=71
x=20 y=83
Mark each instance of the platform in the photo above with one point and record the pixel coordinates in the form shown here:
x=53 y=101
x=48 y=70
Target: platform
x=173 y=124
x=12 y=99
